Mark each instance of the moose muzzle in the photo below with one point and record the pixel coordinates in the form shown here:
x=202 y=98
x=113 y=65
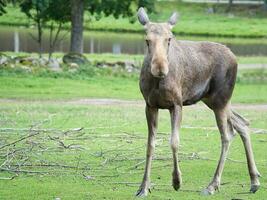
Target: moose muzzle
x=159 y=67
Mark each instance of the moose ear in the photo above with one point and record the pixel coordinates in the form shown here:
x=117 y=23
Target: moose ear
x=142 y=16
x=173 y=19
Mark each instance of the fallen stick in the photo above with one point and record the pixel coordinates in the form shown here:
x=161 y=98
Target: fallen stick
x=40 y=130
x=7 y=178
x=23 y=171
x=23 y=138
x=26 y=129
x=52 y=165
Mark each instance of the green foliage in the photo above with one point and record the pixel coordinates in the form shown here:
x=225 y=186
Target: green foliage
x=42 y=11
x=35 y=9
x=117 y=8
x=59 y=11
x=45 y=10
x=2 y=5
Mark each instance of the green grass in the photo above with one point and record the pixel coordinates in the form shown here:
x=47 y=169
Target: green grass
x=110 y=151
x=30 y=87
x=62 y=88
x=91 y=82
x=107 y=156
x=108 y=57
x=252 y=59
x=194 y=20
x=250 y=93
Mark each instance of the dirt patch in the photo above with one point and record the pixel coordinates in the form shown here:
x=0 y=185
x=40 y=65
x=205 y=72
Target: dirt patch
x=92 y=101
x=105 y=102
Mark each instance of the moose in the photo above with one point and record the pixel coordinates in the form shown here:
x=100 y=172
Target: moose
x=179 y=73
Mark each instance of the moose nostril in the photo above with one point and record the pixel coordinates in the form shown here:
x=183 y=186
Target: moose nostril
x=161 y=74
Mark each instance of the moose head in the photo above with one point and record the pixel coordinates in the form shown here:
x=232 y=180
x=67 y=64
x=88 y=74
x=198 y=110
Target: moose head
x=158 y=39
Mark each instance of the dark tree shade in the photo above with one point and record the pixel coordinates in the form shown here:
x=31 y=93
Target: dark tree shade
x=45 y=10
x=148 y=4
x=2 y=5
x=59 y=10
x=117 y=8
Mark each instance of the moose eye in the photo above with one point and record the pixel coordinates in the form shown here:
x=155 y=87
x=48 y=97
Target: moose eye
x=169 y=40
x=147 y=43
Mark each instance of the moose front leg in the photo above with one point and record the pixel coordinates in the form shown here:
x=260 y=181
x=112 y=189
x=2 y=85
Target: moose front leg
x=152 y=121
x=176 y=117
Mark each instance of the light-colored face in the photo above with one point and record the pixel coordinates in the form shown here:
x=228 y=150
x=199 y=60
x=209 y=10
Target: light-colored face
x=158 y=38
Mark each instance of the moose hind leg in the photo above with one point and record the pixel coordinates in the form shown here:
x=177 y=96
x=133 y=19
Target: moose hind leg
x=227 y=133
x=241 y=126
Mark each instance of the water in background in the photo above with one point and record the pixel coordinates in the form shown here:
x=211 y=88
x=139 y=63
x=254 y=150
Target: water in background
x=21 y=39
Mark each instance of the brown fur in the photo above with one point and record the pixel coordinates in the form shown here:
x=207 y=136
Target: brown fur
x=196 y=71
x=179 y=73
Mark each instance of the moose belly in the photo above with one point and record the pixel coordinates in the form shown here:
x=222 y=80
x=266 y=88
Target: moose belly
x=161 y=99
x=195 y=93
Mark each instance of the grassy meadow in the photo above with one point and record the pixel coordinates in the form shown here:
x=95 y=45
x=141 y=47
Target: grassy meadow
x=56 y=144
x=85 y=151
x=80 y=133
x=19 y=81
x=46 y=88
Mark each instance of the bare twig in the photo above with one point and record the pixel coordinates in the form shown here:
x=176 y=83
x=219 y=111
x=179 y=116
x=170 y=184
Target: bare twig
x=23 y=138
x=136 y=165
x=23 y=171
x=52 y=165
x=26 y=130
x=236 y=161
x=40 y=130
x=62 y=144
x=8 y=178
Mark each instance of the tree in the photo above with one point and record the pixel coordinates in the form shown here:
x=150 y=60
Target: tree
x=36 y=10
x=58 y=13
x=265 y=4
x=230 y=4
x=2 y=5
x=117 y=8
x=77 y=12
x=47 y=13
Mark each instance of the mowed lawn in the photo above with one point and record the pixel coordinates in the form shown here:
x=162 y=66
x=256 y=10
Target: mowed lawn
x=45 y=88
x=105 y=159
x=56 y=144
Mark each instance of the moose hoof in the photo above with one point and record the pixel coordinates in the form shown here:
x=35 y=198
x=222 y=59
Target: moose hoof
x=207 y=192
x=176 y=180
x=142 y=192
x=176 y=184
x=254 y=188
x=210 y=190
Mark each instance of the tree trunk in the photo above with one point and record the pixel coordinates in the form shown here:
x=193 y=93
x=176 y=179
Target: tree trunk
x=53 y=39
x=40 y=37
x=77 y=11
x=230 y=4
x=265 y=5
